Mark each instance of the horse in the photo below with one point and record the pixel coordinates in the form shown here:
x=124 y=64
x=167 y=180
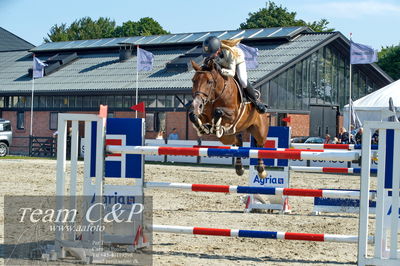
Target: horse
x=218 y=108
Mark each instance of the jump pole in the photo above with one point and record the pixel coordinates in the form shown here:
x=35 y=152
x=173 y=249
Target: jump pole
x=341 y=170
x=243 y=153
x=256 y=234
x=299 y=192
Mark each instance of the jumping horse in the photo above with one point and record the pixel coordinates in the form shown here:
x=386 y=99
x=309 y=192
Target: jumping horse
x=218 y=108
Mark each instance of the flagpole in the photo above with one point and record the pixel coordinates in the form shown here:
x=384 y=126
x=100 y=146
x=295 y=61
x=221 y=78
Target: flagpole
x=350 y=76
x=33 y=89
x=350 y=107
x=137 y=77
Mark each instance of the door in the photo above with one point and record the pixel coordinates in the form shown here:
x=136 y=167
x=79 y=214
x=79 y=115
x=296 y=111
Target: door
x=322 y=120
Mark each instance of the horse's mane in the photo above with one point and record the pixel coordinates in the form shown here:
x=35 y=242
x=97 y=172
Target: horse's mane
x=209 y=65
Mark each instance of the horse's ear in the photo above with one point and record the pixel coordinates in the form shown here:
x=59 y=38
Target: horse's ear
x=195 y=66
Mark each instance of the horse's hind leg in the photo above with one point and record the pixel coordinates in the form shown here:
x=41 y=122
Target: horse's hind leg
x=236 y=141
x=260 y=135
x=238 y=163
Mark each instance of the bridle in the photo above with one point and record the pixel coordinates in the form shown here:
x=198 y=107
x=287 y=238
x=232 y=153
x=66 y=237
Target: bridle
x=208 y=95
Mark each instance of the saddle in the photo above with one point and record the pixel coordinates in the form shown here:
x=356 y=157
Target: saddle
x=243 y=96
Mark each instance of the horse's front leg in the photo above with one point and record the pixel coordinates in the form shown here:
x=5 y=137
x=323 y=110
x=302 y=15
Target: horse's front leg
x=198 y=125
x=216 y=122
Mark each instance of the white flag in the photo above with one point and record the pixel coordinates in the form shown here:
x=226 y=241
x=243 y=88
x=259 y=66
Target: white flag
x=145 y=60
x=38 y=68
x=355 y=120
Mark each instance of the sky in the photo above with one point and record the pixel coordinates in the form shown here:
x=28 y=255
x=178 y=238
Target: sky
x=371 y=22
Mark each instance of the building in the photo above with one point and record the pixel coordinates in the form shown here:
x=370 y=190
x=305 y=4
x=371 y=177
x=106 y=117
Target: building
x=301 y=74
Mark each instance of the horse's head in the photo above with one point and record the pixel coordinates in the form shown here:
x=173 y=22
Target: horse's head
x=206 y=85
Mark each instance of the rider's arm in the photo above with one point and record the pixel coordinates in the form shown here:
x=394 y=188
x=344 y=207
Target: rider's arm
x=229 y=66
x=229 y=71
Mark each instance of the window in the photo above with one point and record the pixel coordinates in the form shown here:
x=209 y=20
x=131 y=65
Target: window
x=87 y=102
x=42 y=101
x=57 y=101
x=273 y=93
x=160 y=122
x=149 y=122
x=127 y=101
x=282 y=90
x=169 y=100
x=79 y=101
x=118 y=101
x=290 y=88
x=72 y=101
x=155 y=121
x=49 y=101
x=53 y=121
x=298 y=86
x=64 y=101
x=20 y=120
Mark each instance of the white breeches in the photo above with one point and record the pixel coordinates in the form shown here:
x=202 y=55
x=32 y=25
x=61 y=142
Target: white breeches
x=241 y=72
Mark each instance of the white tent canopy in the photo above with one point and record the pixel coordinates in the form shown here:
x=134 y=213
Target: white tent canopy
x=375 y=106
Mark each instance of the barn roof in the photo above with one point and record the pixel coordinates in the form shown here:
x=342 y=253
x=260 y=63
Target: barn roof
x=98 y=69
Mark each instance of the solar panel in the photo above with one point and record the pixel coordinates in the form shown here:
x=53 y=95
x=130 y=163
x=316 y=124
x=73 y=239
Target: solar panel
x=252 y=32
x=267 y=32
x=174 y=38
x=74 y=44
x=195 y=36
x=285 y=32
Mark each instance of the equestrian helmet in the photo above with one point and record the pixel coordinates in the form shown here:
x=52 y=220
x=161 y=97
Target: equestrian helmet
x=211 y=45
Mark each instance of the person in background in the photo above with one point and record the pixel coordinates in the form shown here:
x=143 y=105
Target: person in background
x=375 y=137
x=343 y=137
x=160 y=135
x=173 y=135
x=327 y=139
x=358 y=136
x=335 y=140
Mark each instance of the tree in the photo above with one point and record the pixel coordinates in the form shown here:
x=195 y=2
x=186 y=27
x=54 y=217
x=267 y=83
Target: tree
x=389 y=61
x=57 y=33
x=86 y=28
x=278 y=16
x=144 y=27
x=82 y=29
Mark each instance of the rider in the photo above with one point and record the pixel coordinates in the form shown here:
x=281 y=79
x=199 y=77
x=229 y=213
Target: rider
x=231 y=60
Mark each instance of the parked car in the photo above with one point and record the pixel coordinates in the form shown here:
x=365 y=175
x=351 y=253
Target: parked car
x=314 y=140
x=5 y=137
x=298 y=139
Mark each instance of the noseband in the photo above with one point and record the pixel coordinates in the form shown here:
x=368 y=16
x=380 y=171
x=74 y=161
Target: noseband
x=208 y=95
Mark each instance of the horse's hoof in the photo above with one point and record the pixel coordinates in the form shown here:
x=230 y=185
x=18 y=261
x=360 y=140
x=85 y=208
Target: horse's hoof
x=239 y=171
x=263 y=174
x=219 y=132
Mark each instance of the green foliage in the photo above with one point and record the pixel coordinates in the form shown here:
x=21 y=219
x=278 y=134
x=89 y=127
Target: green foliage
x=144 y=27
x=389 y=61
x=278 y=16
x=86 y=28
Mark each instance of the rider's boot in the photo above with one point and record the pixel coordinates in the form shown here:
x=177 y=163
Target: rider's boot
x=260 y=107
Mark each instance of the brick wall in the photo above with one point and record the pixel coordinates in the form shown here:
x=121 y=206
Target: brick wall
x=300 y=124
x=176 y=120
